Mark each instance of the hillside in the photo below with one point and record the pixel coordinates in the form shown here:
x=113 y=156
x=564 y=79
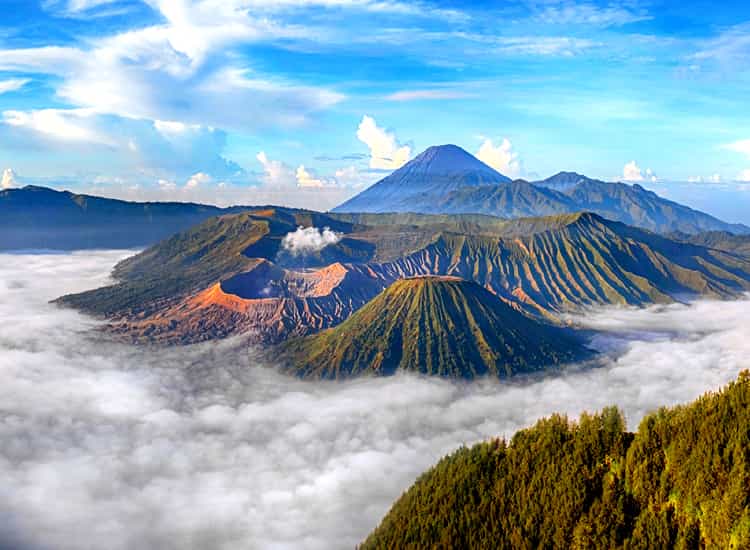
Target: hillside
x=720 y=240
x=42 y=218
x=448 y=180
x=231 y=275
x=681 y=481
x=433 y=325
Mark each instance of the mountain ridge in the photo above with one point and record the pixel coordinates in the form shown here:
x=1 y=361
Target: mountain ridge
x=414 y=188
x=205 y=283
x=434 y=325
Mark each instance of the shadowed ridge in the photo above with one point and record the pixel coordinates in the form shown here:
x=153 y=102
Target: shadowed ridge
x=434 y=325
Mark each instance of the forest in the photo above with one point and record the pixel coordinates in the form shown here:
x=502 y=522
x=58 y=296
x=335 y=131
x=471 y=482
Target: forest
x=681 y=481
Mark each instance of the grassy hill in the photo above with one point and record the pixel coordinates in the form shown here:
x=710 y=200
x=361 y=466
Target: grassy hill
x=681 y=481
x=434 y=325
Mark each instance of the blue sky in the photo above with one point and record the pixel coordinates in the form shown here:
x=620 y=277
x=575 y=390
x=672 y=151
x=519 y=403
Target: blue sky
x=305 y=102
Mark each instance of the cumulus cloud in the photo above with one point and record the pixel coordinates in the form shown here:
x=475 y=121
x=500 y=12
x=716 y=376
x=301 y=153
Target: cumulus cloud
x=501 y=157
x=198 y=179
x=278 y=174
x=9 y=179
x=306 y=179
x=203 y=447
x=386 y=152
x=307 y=240
x=744 y=176
x=632 y=172
x=275 y=172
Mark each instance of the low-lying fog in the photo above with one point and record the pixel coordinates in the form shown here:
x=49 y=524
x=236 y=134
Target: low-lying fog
x=105 y=445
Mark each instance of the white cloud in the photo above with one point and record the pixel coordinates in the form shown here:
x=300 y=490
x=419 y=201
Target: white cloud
x=171 y=128
x=275 y=172
x=385 y=151
x=178 y=71
x=197 y=180
x=572 y=12
x=743 y=176
x=544 y=45
x=307 y=240
x=78 y=125
x=416 y=95
x=12 y=84
x=8 y=179
x=351 y=177
x=501 y=157
x=730 y=49
x=205 y=447
x=741 y=146
x=632 y=172
x=167 y=185
x=306 y=179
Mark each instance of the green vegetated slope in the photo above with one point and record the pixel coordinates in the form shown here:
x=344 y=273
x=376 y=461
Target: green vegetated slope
x=433 y=325
x=183 y=263
x=681 y=481
x=214 y=250
x=544 y=265
x=554 y=264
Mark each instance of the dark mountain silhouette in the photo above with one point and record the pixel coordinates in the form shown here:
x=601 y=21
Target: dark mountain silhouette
x=41 y=218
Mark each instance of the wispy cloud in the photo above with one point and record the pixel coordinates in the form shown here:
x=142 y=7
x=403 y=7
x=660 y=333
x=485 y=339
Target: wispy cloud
x=731 y=48
x=576 y=12
x=12 y=84
x=428 y=94
x=544 y=45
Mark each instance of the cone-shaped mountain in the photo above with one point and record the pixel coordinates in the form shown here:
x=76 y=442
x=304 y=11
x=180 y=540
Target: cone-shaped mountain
x=442 y=326
x=437 y=171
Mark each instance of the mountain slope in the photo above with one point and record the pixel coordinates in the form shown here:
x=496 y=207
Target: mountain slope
x=634 y=205
x=681 y=481
x=434 y=325
x=229 y=276
x=721 y=240
x=448 y=180
x=435 y=172
x=516 y=199
x=38 y=217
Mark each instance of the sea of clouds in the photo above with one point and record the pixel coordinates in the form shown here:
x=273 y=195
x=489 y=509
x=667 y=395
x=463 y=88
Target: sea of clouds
x=105 y=445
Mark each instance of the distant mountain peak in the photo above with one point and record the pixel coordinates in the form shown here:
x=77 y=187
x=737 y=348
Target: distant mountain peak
x=449 y=159
x=435 y=172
